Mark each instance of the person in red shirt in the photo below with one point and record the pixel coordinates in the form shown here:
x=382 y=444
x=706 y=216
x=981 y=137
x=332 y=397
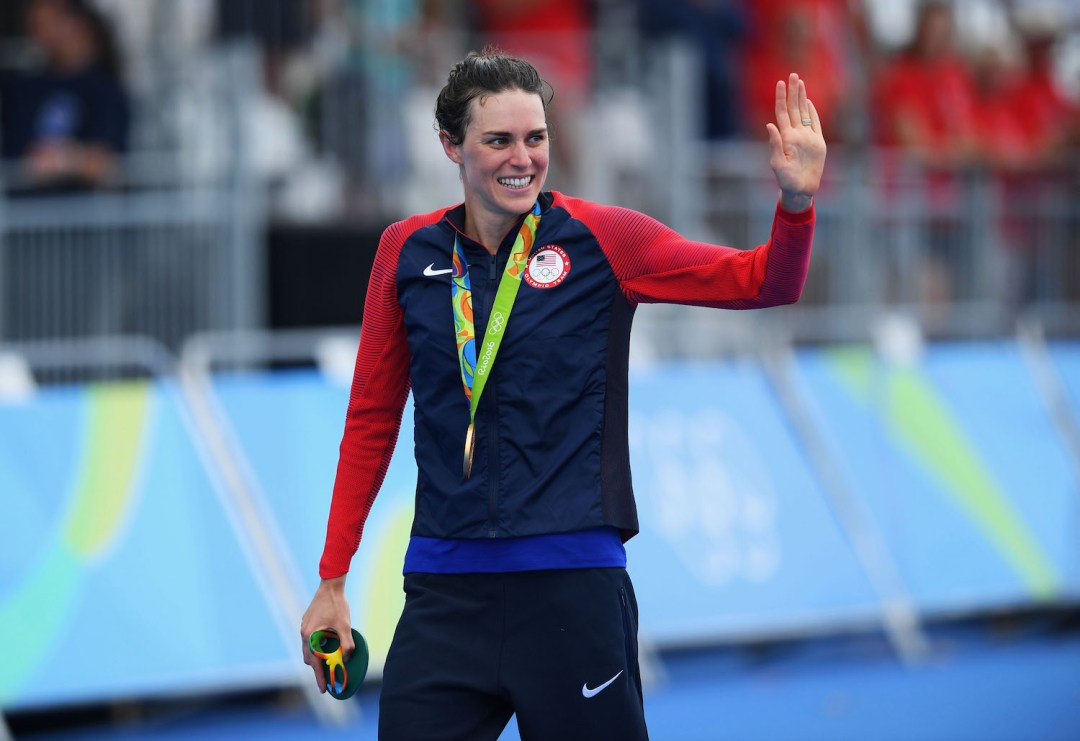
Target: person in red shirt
x=1028 y=125
x=923 y=109
x=811 y=37
x=924 y=97
x=1050 y=119
x=1004 y=140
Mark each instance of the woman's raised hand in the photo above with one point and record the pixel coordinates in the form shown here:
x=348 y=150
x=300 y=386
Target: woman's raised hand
x=797 y=147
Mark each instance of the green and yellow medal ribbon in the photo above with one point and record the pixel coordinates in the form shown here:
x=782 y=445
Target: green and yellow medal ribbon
x=475 y=368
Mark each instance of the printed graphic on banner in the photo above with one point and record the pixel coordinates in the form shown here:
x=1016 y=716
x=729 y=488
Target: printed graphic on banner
x=548 y=267
x=971 y=514
x=128 y=543
x=714 y=496
x=736 y=533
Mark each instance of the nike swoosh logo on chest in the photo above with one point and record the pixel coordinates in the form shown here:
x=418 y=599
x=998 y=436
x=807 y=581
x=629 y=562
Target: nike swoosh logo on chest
x=431 y=272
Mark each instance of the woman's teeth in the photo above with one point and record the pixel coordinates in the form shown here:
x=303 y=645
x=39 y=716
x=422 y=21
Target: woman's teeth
x=516 y=182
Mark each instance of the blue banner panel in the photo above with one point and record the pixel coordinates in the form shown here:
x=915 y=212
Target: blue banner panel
x=736 y=537
x=121 y=574
x=957 y=461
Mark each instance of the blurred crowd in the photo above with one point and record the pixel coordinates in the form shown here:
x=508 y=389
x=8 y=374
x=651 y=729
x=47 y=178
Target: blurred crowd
x=342 y=126
x=955 y=84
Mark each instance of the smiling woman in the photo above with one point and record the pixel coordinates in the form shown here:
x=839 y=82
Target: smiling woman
x=517 y=595
x=492 y=116
x=503 y=158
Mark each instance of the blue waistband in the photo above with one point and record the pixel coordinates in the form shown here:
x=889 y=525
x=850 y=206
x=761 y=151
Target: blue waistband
x=594 y=548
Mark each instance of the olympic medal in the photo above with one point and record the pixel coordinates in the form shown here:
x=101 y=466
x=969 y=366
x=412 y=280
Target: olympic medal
x=470 y=445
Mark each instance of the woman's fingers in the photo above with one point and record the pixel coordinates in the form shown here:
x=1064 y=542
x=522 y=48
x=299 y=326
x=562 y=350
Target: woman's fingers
x=314 y=662
x=804 y=103
x=776 y=144
x=348 y=645
x=781 y=104
x=793 y=107
x=794 y=87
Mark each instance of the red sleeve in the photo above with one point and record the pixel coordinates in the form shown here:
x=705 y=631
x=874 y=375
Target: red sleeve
x=654 y=264
x=379 y=389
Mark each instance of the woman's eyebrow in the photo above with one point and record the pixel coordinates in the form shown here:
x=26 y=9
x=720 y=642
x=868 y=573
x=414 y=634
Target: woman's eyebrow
x=508 y=134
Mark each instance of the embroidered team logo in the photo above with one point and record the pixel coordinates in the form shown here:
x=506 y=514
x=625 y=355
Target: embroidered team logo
x=548 y=267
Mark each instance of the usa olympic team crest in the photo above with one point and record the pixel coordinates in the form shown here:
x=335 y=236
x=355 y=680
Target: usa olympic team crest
x=548 y=267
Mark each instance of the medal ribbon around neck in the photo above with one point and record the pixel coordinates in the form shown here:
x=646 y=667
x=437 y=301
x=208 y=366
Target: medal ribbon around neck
x=474 y=375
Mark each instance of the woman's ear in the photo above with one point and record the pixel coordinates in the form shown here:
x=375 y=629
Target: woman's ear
x=453 y=151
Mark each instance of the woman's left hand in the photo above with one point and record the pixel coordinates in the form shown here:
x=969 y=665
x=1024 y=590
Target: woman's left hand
x=797 y=147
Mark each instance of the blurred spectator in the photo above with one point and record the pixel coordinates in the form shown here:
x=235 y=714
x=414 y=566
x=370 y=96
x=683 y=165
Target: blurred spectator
x=717 y=29
x=1005 y=154
x=923 y=104
x=441 y=40
x=1002 y=141
x=66 y=119
x=1029 y=126
x=1049 y=117
x=556 y=36
x=282 y=121
x=389 y=54
x=281 y=27
x=813 y=38
x=923 y=97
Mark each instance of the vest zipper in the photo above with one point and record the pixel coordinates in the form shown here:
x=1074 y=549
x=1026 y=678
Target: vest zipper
x=493 y=470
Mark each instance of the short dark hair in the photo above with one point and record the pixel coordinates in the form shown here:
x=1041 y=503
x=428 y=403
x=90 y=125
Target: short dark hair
x=478 y=75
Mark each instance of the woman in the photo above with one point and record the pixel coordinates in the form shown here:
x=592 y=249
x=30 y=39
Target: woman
x=510 y=315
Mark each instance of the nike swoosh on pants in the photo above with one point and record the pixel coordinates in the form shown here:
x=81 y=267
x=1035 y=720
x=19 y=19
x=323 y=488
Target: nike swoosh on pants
x=597 y=690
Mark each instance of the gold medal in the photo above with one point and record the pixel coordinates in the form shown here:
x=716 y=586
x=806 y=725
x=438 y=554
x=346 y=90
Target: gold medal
x=470 y=445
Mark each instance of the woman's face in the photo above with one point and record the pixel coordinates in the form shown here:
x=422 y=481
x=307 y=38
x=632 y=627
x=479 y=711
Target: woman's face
x=935 y=32
x=65 y=37
x=48 y=25
x=504 y=153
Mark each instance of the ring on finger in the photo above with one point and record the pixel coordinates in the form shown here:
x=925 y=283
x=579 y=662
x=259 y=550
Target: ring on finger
x=806 y=122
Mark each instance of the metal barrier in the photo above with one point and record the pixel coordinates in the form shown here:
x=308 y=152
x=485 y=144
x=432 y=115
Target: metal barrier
x=79 y=360
x=162 y=264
